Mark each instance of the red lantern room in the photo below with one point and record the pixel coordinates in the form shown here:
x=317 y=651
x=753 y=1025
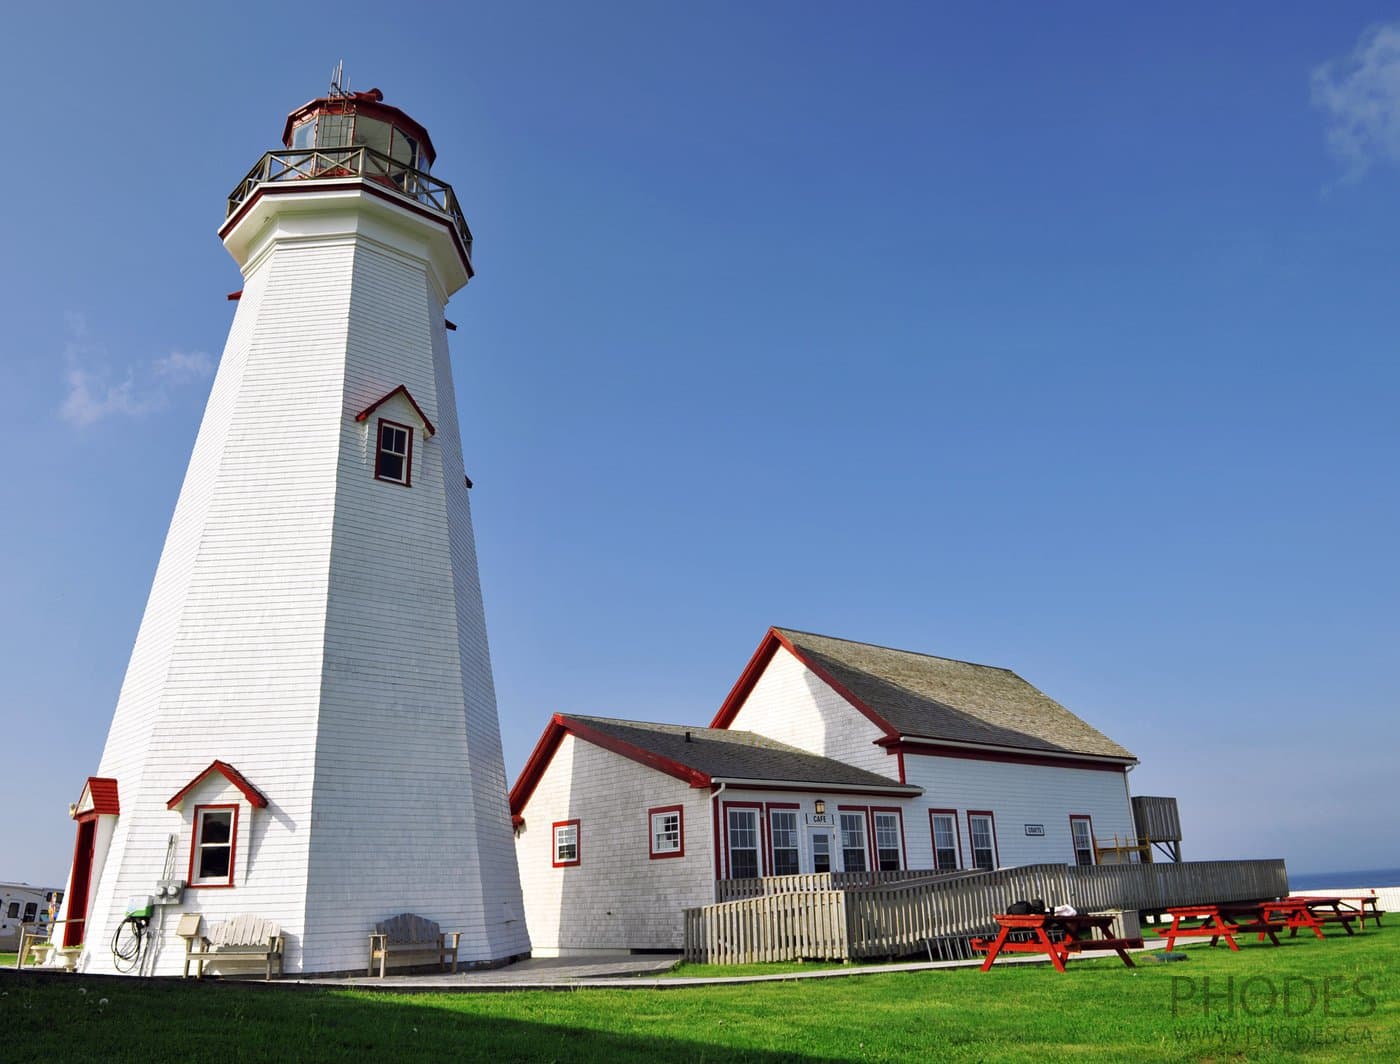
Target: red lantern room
x=360 y=119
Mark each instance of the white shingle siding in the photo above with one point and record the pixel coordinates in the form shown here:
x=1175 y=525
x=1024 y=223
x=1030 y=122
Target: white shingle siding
x=320 y=630
x=1018 y=795
x=617 y=897
x=792 y=704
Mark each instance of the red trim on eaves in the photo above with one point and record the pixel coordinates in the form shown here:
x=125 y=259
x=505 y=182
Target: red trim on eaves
x=554 y=733
x=400 y=390
x=897 y=746
x=762 y=656
x=103 y=792
x=255 y=797
x=234 y=297
x=449 y=324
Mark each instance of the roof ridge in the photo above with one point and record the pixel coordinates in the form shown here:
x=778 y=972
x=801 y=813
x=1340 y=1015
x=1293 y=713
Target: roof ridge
x=901 y=650
x=629 y=720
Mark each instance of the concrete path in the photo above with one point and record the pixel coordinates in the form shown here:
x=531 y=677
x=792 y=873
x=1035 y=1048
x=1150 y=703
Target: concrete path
x=637 y=973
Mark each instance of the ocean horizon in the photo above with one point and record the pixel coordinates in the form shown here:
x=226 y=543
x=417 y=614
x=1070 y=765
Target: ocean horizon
x=1373 y=877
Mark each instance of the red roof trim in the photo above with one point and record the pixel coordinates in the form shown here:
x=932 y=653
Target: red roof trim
x=559 y=726
x=1014 y=757
x=759 y=662
x=255 y=797
x=400 y=390
x=103 y=792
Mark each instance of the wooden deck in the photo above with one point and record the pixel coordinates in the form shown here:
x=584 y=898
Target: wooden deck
x=798 y=917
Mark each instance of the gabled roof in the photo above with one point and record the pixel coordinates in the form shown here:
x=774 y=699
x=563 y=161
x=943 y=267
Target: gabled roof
x=402 y=389
x=255 y=797
x=919 y=696
x=99 y=796
x=701 y=757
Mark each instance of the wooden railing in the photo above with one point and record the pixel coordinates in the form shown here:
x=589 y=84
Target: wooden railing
x=355 y=162
x=774 y=927
x=760 y=886
x=895 y=918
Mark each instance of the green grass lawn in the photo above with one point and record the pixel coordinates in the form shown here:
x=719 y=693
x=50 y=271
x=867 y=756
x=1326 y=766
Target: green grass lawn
x=7 y=960
x=1306 y=1000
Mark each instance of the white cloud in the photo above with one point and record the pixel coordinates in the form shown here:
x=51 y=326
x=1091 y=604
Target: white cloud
x=97 y=390
x=184 y=364
x=1361 y=96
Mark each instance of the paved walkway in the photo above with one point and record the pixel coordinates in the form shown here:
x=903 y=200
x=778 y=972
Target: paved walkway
x=641 y=972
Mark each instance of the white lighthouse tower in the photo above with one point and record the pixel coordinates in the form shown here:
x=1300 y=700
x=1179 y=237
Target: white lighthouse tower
x=307 y=732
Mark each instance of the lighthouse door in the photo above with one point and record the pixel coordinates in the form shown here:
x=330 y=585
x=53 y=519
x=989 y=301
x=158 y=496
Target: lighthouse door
x=82 y=881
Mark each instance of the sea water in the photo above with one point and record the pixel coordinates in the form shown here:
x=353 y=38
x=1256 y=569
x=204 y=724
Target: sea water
x=1375 y=877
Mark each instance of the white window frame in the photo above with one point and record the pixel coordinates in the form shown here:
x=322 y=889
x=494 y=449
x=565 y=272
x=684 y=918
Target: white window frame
x=564 y=834
x=666 y=840
x=896 y=825
x=795 y=848
x=406 y=454
x=857 y=820
x=951 y=816
x=202 y=814
x=755 y=815
x=991 y=838
x=1075 y=821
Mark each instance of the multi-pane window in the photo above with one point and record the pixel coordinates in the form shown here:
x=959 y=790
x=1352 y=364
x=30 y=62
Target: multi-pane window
x=566 y=843
x=945 y=841
x=666 y=837
x=782 y=826
x=743 y=843
x=821 y=852
x=887 y=841
x=211 y=856
x=853 y=841
x=394 y=459
x=983 y=832
x=1081 y=829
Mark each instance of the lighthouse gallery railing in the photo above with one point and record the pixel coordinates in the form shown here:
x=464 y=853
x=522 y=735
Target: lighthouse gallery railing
x=356 y=162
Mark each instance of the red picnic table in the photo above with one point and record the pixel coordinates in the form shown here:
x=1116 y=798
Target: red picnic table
x=1056 y=937
x=1342 y=908
x=1225 y=920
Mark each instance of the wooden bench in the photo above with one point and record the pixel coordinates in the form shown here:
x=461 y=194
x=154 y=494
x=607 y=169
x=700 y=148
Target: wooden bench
x=411 y=935
x=243 y=938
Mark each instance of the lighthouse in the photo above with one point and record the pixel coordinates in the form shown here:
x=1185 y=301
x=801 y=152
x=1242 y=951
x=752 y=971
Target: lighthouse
x=307 y=731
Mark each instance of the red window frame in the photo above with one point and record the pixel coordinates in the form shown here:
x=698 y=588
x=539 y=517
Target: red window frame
x=554 y=843
x=407 y=480
x=996 y=850
x=1074 y=846
x=769 y=809
x=762 y=834
x=875 y=843
x=651 y=831
x=951 y=814
x=199 y=810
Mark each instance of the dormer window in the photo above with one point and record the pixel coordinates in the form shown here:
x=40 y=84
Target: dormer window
x=394 y=460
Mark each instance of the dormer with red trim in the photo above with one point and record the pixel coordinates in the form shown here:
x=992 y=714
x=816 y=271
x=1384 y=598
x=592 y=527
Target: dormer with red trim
x=231 y=775
x=99 y=798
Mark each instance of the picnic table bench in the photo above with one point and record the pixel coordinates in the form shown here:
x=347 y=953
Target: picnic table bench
x=410 y=934
x=1342 y=907
x=1311 y=913
x=1054 y=936
x=1221 y=921
x=245 y=937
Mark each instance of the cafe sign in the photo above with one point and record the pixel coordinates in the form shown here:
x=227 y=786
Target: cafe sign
x=1037 y=830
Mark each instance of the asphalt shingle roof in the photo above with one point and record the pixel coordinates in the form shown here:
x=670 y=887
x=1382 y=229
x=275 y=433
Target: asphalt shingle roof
x=739 y=755
x=939 y=698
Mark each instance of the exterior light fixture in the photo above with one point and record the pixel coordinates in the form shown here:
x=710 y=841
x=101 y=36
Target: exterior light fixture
x=821 y=807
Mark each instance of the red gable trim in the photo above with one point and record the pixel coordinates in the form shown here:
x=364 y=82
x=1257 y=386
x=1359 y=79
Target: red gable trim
x=103 y=792
x=400 y=390
x=748 y=679
x=554 y=733
x=255 y=797
x=1015 y=757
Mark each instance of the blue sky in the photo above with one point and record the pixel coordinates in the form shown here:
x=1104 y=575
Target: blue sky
x=1063 y=340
